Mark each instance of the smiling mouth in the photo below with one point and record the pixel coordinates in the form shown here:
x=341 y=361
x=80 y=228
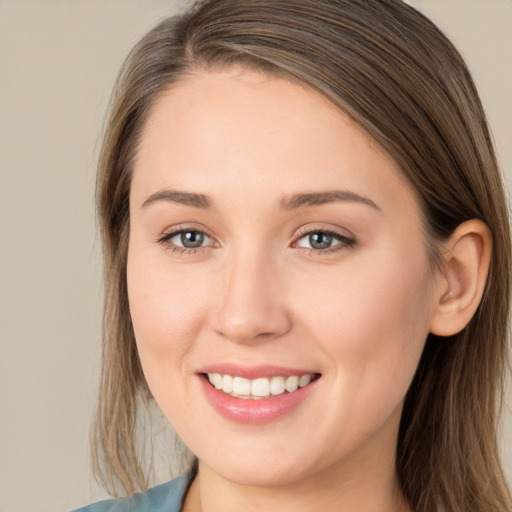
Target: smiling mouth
x=261 y=388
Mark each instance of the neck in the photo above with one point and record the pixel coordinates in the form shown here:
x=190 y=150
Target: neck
x=362 y=482
x=308 y=497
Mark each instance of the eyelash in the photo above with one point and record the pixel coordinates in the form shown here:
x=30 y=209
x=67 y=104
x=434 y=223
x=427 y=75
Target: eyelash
x=166 y=240
x=345 y=242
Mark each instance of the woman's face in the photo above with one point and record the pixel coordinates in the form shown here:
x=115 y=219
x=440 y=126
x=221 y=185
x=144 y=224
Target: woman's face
x=273 y=242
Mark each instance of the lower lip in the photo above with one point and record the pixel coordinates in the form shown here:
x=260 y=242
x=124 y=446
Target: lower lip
x=254 y=412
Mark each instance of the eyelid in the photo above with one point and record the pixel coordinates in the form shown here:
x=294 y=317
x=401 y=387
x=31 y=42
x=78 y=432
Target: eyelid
x=346 y=239
x=340 y=233
x=171 y=232
x=324 y=228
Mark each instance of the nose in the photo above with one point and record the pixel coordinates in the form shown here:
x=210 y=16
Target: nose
x=251 y=306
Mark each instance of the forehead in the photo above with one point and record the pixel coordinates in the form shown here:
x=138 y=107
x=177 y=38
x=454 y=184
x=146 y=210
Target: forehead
x=219 y=127
x=264 y=105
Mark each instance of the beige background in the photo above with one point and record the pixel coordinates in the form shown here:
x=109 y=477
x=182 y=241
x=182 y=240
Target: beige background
x=58 y=60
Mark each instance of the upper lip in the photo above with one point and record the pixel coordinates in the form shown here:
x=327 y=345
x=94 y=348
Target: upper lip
x=254 y=371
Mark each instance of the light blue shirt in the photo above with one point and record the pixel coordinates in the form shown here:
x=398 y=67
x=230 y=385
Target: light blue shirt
x=166 y=497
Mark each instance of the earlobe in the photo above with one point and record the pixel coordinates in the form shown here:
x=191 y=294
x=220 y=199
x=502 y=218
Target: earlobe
x=461 y=281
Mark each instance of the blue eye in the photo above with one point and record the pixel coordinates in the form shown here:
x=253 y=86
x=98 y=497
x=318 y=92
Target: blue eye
x=190 y=239
x=323 y=241
x=317 y=241
x=186 y=239
x=320 y=240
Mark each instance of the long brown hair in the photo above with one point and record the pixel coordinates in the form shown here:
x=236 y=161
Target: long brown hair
x=399 y=78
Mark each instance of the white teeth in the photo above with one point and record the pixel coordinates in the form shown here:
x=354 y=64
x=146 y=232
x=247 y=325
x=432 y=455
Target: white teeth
x=227 y=384
x=292 y=384
x=241 y=386
x=217 y=380
x=258 y=388
x=304 y=380
x=277 y=385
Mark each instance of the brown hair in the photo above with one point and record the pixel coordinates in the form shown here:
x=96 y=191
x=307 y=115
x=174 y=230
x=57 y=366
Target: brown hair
x=399 y=78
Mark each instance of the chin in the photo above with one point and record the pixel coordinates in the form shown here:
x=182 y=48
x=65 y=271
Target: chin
x=263 y=467
x=270 y=474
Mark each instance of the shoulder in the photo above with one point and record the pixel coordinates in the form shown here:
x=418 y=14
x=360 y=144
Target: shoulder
x=162 y=498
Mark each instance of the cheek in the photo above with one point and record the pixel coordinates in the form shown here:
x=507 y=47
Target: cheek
x=166 y=310
x=372 y=323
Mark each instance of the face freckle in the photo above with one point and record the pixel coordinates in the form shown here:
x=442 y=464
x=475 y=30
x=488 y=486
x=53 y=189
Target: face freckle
x=312 y=260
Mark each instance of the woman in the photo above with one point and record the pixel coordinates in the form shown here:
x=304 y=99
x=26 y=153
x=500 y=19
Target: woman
x=307 y=263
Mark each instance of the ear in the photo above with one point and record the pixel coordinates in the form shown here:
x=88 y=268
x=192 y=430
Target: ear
x=461 y=280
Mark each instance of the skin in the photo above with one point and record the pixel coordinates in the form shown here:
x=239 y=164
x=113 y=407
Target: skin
x=255 y=293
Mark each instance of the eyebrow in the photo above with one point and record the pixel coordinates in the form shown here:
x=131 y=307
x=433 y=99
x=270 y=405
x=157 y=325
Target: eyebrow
x=302 y=200
x=319 y=198
x=184 y=198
